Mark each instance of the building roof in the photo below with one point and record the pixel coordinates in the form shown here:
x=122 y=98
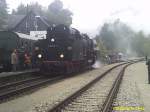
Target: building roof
x=14 y=20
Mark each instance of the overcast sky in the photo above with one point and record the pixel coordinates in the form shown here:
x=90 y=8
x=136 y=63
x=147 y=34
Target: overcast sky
x=89 y=15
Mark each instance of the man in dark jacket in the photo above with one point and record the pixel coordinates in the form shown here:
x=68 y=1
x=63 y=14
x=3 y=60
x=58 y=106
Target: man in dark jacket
x=148 y=64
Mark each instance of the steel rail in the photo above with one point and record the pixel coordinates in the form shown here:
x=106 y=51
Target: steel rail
x=19 y=82
x=27 y=86
x=114 y=90
x=65 y=102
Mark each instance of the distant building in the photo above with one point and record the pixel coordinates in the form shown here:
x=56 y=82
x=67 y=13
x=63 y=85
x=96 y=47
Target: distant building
x=31 y=23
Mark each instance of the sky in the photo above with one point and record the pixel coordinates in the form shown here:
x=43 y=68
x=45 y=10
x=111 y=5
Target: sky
x=90 y=15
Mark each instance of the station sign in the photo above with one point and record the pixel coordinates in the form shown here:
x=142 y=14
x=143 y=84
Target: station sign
x=38 y=34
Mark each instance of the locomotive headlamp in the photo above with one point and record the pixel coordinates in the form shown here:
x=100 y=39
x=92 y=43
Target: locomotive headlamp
x=36 y=48
x=39 y=55
x=61 y=56
x=52 y=40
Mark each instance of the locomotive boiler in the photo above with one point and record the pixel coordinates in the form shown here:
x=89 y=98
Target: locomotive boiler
x=64 y=50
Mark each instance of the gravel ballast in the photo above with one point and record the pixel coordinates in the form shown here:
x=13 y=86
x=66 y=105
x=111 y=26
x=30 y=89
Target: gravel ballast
x=47 y=97
x=93 y=99
x=129 y=97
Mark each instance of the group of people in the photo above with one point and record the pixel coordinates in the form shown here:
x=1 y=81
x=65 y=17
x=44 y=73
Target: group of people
x=20 y=61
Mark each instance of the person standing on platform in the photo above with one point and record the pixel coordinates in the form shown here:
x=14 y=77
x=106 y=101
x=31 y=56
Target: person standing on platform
x=148 y=64
x=146 y=58
x=14 y=60
x=27 y=61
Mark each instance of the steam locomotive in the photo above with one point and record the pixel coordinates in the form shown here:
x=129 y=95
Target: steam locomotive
x=64 y=50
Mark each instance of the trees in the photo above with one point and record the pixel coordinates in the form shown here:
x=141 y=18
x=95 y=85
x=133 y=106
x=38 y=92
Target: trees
x=116 y=36
x=55 y=12
x=58 y=15
x=107 y=37
x=22 y=9
x=3 y=14
x=141 y=44
x=103 y=51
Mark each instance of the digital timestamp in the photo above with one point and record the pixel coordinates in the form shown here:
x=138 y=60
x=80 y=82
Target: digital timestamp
x=128 y=108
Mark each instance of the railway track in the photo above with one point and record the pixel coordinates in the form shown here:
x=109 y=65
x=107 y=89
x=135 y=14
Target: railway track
x=14 y=88
x=96 y=96
x=10 y=77
x=107 y=106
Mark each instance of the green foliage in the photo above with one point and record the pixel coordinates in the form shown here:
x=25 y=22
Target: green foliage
x=141 y=44
x=55 y=12
x=58 y=15
x=108 y=37
x=116 y=36
x=22 y=9
x=102 y=49
x=3 y=14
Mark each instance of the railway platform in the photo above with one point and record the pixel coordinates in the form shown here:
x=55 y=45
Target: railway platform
x=134 y=93
x=7 y=74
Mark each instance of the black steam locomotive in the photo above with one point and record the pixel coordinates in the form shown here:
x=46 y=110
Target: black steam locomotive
x=64 y=50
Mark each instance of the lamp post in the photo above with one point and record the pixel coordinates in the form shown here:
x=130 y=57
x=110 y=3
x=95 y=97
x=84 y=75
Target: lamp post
x=36 y=22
